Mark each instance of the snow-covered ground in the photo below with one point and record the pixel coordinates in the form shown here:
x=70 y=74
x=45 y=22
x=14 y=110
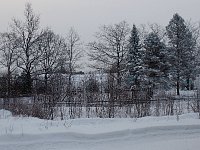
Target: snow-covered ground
x=156 y=133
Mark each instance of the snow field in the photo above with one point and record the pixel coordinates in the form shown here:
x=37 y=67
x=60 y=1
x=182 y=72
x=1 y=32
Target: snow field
x=166 y=133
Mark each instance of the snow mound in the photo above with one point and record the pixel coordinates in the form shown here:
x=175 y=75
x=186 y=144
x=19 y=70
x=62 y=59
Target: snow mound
x=153 y=133
x=5 y=114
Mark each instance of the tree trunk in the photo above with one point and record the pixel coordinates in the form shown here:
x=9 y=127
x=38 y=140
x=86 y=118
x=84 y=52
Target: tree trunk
x=8 y=94
x=70 y=82
x=178 y=83
x=28 y=83
x=188 y=83
x=46 y=82
x=178 y=87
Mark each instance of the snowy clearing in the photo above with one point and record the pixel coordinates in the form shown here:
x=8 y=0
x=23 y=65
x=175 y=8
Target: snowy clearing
x=166 y=133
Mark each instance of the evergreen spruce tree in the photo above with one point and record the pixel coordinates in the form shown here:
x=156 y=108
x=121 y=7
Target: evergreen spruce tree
x=134 y=65
x=181 y=50
x=189 y=58
x=155 y=61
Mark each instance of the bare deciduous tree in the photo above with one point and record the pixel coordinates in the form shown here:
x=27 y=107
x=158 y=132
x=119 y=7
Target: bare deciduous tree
x=51 y=46
x=74 y=51
x=28 y=35
x=110 y=47
x=159 y=30
x=8 y=45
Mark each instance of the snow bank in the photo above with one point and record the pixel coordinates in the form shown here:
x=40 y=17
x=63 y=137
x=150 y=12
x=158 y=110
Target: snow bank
x=29 y=125
x=152 y=133
x=5 y=114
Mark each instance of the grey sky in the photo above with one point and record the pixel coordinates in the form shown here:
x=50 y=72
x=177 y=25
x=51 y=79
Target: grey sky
x=87 y=15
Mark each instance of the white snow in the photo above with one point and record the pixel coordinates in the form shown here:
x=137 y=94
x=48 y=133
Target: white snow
x=183 y=93
x=156 y=133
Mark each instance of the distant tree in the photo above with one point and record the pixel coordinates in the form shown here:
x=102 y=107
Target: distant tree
x=20 y=84
x=181 y=43
x=69 y=62
x=110 y=47
x=3 y=87
x=28 y=35
x=8 y=47
x=73 y=52
x=134 y=65
x=92 y=86
x=51 y=46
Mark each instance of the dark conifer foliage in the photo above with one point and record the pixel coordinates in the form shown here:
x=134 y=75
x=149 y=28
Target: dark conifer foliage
x=134 y=65
x=181 y=45
x=155 y=60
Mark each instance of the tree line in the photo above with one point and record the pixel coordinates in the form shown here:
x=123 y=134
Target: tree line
x=39 y=62
x=158 y=58
x=29 y=53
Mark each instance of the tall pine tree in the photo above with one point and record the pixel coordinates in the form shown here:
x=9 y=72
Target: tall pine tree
x=134 y=65
x=155 y=61
x=189 y=58
x=181 y=50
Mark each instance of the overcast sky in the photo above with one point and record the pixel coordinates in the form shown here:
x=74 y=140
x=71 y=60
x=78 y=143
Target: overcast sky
x=87 y=15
